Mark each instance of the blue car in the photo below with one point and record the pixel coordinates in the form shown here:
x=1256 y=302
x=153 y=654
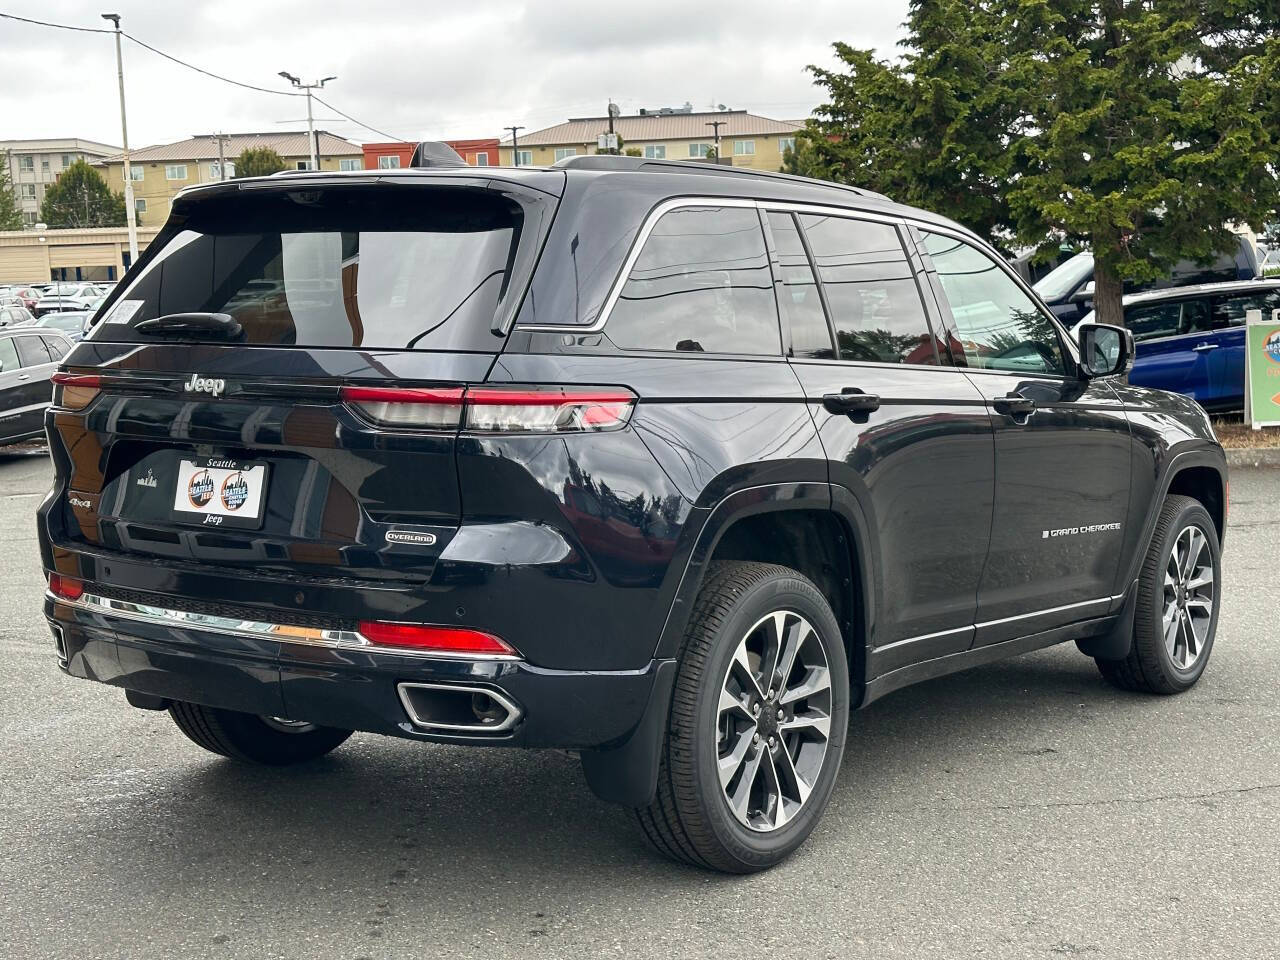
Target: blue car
x=1191 y=339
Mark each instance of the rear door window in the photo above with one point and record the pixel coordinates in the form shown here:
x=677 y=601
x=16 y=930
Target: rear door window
x=32 y=351
x=391 y=268
x=1230 y=310
x=1153 y=320
x=798 y=292
x=875 y=304
x=701 y=284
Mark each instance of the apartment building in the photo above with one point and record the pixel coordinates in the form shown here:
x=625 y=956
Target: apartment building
x=394 y=155
x=35 y=164
x=159 y=172
x=745 y=139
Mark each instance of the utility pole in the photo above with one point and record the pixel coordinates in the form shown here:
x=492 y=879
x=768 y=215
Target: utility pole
x=222 y=138
x=131 y=215
x=311 y=126
x=515 y=144
x=715 y=126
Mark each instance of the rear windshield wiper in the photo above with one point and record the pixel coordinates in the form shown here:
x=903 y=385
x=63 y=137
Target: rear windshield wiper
x=209 y=324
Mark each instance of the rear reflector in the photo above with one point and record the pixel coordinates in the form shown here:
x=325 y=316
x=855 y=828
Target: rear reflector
x=428 y=637
x=67 y=588
x=74 y=391
x=495 y=409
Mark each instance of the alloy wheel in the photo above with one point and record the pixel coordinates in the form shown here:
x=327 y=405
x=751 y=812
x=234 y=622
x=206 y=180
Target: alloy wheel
x=1188 y=597
x=773 y=721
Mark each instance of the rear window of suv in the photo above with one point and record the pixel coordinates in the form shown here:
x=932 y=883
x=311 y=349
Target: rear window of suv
x=382 y=268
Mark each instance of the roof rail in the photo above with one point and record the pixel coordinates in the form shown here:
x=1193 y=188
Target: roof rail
x=604 y=161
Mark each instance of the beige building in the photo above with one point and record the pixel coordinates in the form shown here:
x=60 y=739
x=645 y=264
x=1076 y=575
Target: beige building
x=38 y=256
x=35 y=164
x=160 y=172
x=746 y=139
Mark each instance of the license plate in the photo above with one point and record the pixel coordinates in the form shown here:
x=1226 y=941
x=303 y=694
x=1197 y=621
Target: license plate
x=216 y=492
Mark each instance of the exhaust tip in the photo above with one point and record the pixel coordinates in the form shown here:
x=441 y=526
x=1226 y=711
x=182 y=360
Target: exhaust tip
x=450 y=708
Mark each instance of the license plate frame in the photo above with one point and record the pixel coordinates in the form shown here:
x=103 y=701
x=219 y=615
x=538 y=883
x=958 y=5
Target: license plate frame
x=223 y=501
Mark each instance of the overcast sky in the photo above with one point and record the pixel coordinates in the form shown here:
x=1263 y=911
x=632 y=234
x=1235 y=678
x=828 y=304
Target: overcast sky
x=424 y=70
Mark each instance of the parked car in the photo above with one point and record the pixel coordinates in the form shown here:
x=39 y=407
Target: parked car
x=1068 y=290
x=28 y=359
x=68 y=297
x=13 y=313
x=1191 y=340
x=668 y=464
x=72 y=324
x=28 y=295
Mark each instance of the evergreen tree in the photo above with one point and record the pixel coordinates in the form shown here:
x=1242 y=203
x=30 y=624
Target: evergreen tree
x=81 y=198
x=259 y=162
x=10 y=212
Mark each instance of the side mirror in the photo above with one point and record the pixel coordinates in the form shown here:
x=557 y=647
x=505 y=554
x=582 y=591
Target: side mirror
x=1084 y=294
x=1104 y=350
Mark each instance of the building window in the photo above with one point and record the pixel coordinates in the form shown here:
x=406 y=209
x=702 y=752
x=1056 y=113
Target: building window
x=44 y=164
x=29 y=191
x=139 y=206
x=699 y=149
x=786 y=143
x=562 y=152
x=27 y=162
x=175 y=171
x=349 y=163
x=482 y=159
x=137 y=172
x=655 y=151
x=524 y=158
x=67 y=160
x=29 y=217
x=302 y=165
x=744 y=148
x=389 y=163
x=215 y=171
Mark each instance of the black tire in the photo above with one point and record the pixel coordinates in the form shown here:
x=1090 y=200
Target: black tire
x=690 y=818
x=1150 y=666
x=251 y=739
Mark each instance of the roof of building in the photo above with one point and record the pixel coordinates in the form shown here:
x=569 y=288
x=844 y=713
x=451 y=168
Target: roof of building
x=658 y=126
x=205 y=147
x=57 y=145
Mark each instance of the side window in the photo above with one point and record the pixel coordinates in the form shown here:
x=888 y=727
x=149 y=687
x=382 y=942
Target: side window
x=798 y=292
x=31 y=351
x=57 y=348
x=875 y=305
x=1153 y=320
x=1230 y=310
x=701 y=284
x=999 y=326
x=1195 y=316
x=8 y=355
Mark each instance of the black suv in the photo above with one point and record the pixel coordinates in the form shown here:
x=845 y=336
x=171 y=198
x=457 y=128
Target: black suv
x=667 y=464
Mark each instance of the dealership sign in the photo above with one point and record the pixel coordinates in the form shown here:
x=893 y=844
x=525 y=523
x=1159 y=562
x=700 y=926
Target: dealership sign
x=1262 y=369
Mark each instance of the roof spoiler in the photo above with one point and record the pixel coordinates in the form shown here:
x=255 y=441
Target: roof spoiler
x=435 y=153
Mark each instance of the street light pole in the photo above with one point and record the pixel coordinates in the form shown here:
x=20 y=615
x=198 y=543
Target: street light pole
x=715 y=126
x=311 y=127
x=515 y=145
x=131 y=215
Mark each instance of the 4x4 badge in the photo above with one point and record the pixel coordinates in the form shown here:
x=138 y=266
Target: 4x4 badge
x=410 y=536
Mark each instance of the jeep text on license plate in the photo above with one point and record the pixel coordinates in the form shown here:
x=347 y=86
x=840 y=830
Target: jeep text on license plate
x=216 y=492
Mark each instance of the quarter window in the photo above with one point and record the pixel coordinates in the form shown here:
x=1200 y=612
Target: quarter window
x=998 y=326
x=1230 y=311
x=875 y=306
x=701 y=284
x=57 y=348
x=798 y=292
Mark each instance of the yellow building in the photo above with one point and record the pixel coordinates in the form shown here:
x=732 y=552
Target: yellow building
x=746 y=139
x=38 y=256
x=159 y=172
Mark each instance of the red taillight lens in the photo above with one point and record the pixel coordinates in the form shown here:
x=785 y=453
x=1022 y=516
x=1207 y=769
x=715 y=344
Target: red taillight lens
x=424 y=408
x=429 y=637
x=508 y=410
x=74 y=391
x=66 y=587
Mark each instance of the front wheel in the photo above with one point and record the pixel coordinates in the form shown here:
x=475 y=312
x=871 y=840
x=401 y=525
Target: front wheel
x=757 y=724
x=243 y=736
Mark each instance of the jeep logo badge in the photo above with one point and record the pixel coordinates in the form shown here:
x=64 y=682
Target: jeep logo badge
x=199 y=384
x=408 y=536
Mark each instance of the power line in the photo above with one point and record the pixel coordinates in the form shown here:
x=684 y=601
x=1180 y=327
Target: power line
x=358 y=123
x=207 y=73
x=56 y=26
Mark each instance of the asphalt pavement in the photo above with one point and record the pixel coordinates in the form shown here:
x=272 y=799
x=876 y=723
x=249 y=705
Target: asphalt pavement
x=1020 y=810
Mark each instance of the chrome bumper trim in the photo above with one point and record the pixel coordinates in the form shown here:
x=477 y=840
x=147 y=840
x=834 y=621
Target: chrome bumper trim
x=257 y=629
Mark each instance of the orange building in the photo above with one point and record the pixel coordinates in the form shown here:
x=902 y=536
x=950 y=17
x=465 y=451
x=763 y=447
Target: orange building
x=384 y=156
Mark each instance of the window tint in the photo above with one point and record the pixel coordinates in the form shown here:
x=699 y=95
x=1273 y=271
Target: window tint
x=875 y=306
x=1230 y=310
x=999 y=326
x=8 y=354
x=701 y=283
x=1153 y=320
x=32 y=351
x=57 y=348
x=798 y=292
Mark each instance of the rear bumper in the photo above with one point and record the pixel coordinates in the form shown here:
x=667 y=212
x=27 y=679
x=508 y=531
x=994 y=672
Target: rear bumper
x=339 y=684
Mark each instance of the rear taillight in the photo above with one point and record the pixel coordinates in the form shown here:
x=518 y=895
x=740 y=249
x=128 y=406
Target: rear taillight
x=68 y=588
x=495 y=409
x=75 y=391
x=455 y=640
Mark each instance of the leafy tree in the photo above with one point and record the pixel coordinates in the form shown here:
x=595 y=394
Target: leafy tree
x=81 y=198
x=258 y=162
x=10 y=212
x=1140 y=129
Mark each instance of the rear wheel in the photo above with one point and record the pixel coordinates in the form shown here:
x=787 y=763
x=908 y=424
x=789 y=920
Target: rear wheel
x=757 y=724
x=1177 y=613
x=243 y=736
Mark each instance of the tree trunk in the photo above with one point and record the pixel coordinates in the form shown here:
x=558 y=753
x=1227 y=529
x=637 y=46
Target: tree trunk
x=1108 y=294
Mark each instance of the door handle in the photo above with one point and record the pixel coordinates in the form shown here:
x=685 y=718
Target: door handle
x=24 y=376
x=1014 y=405
x=1204 y=347
x=850 y=401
